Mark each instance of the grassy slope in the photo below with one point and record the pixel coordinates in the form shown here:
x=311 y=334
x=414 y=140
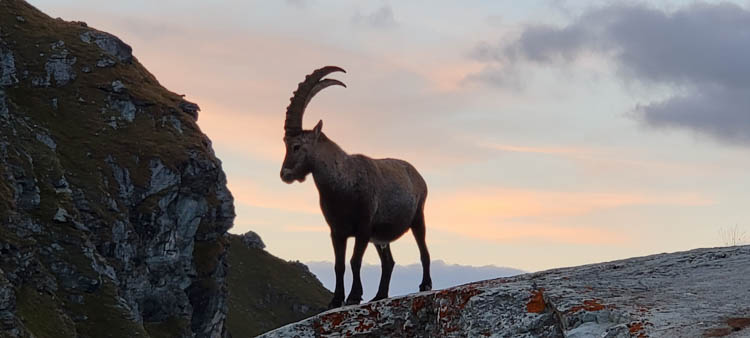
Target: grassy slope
x=263 y=289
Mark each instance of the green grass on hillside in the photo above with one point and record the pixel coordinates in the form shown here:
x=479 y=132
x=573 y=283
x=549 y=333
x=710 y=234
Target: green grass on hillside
x=263 y=290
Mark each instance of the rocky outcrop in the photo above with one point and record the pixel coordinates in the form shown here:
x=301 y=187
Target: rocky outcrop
x=252 y=240
x=698 y=293
x=114 y=209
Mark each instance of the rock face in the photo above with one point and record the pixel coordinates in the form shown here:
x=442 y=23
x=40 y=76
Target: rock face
x=698 y=293
x=113 y=207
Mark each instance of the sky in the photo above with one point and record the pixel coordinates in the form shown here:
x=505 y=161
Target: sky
x=550 y=133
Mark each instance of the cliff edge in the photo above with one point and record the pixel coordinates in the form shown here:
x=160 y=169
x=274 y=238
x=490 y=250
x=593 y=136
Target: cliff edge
x=113 y=207
x=698 y=293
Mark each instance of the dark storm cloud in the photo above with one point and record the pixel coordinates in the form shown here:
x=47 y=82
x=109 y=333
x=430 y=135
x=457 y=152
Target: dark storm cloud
x=723 y=113
x=702 y=49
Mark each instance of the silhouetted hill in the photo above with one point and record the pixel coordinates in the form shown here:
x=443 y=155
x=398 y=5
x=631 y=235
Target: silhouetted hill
x=266 y=292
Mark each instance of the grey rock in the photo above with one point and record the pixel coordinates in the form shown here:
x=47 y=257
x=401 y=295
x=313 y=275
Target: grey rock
x=117 y=86
x=190 y=108
x=61 y=215
x=9 y=324
x=122 y=177
x=20 y=19
x=77 y=299
x=174 y=121
x=58 y=45
x=7 y=67
x=47 y=140
x=27 y=227
x=161 y=177
x=691 y=294
x=7 y=296
x=126 y=108
x=60 y=68
x=4 y=112
x=105 y=62
x=62 y=186
x=37 y=81
x=252 y=240
x=110 y=44
x=86 y=69
x=25 y=190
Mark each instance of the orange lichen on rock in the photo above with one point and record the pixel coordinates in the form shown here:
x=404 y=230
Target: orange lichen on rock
x=536 y=303
x=417 y=304
x=738 y=323
x=718 y=332
x=334 y=318
x=588 y=305
x=364 y=327
x=457 y=299
x=452 y=302
x=635 y=328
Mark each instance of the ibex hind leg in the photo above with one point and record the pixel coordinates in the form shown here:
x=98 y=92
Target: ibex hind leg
x=418 y=229
x=386 y=266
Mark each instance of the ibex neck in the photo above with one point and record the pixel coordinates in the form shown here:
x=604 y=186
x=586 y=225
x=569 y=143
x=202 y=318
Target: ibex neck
x=328 y=166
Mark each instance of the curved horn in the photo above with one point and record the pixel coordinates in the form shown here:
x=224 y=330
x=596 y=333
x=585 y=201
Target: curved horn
x=304 y=93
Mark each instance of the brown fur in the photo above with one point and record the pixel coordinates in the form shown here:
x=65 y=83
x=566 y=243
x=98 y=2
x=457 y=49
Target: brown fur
x=372 y=200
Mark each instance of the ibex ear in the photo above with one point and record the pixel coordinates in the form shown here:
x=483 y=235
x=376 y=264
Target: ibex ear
x=316 y=130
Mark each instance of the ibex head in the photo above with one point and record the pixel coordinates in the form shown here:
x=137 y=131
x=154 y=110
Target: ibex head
x=300 y=144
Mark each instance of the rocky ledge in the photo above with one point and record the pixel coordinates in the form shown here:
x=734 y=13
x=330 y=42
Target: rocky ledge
x=698 y=293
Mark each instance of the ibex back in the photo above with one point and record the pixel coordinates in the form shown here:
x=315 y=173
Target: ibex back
x=372 y=200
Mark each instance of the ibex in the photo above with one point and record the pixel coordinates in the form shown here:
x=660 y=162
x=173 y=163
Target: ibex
x=372 y=200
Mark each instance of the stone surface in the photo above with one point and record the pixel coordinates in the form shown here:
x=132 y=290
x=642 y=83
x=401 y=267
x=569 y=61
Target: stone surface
x=252 y=240
x=7 y=66
x=59 y=66
x=703 y=292
x=109 y=44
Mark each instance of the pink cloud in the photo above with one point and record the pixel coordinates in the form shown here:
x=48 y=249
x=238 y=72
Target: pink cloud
x=511 y=214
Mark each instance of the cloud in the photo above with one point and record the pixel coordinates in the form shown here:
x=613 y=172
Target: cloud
x=296 y=3
x=700 y=51
x=723 y=113
x=511 y=215
x=381 y=18
x=406 y=278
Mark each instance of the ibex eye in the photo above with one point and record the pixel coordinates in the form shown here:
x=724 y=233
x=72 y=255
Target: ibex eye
x=296 y=147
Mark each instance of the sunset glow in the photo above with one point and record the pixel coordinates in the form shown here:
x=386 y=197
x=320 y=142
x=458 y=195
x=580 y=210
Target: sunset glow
x=533 y=160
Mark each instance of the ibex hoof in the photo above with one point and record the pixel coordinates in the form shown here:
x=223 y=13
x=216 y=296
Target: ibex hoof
x=378 y=297
x=353 y=301
x=335 y=303
x=425 y=287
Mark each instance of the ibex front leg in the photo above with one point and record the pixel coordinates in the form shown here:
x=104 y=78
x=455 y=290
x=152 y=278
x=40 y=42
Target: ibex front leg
x=360 y=244
x=339 y=250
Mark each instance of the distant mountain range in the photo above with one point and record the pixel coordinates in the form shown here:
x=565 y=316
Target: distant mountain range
x=406 y=278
